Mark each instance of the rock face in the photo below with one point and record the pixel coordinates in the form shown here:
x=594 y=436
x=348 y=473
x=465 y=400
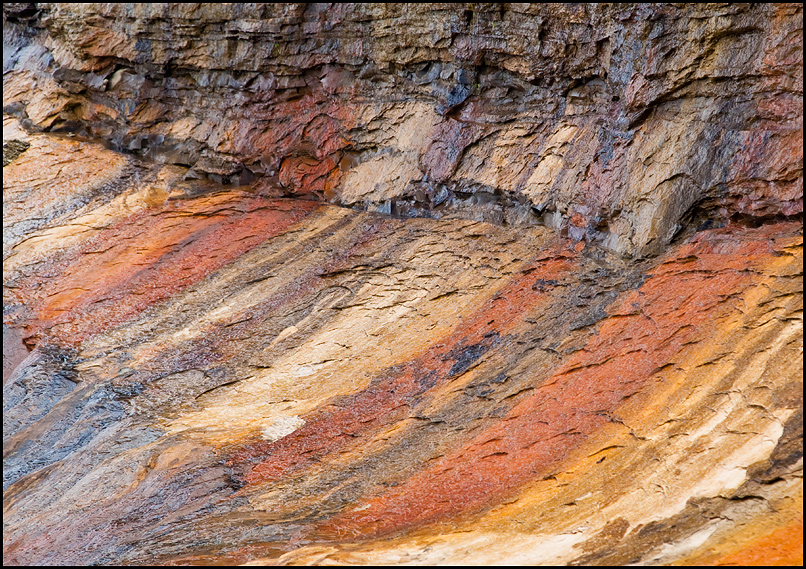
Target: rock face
x=560 y=321
x=617 y=123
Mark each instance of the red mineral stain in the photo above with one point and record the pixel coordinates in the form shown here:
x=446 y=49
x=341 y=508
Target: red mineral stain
x=149 y=257
x=306 y=175
x=307 y=143
x=680 y=301
x=390 y=397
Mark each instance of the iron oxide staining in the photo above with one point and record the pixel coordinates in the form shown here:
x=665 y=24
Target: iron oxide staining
x=577 y=400
x=219 y=376
x=146 y=258
x=344 y=378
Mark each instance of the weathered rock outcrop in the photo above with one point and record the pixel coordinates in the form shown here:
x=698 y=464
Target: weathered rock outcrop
x=620 y=123
x=560 y=322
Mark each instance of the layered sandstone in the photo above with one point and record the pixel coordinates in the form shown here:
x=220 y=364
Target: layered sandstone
x=560 y=321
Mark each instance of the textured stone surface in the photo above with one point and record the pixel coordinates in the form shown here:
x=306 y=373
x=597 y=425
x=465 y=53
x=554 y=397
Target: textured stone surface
x=576 y=340
x=617 y=123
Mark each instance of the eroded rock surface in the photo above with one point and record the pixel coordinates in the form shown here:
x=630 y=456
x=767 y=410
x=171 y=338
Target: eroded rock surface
x=618 y=123
x=560 y=324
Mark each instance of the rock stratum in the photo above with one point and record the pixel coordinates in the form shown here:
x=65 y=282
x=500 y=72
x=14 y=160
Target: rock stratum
x=403 y=284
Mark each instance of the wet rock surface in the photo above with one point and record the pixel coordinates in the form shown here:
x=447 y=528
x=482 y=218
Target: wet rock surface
x=560 y=322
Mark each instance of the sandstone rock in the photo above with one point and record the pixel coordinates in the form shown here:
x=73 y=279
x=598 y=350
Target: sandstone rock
x=561 y=322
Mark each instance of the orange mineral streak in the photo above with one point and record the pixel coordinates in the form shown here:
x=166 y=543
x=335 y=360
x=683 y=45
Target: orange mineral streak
x=151 y=256
x=783 y=547
x=680 y=299
x=391 y=397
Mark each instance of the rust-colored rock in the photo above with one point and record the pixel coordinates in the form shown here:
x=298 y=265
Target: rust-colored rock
x=560 y=322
